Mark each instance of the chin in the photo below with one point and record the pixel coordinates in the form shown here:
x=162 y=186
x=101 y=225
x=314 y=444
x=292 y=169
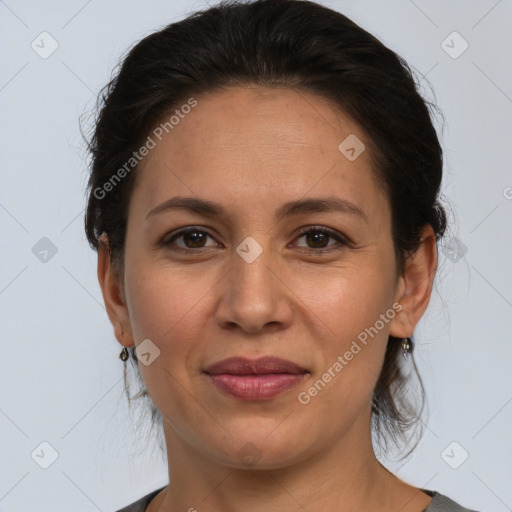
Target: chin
x=260 y=450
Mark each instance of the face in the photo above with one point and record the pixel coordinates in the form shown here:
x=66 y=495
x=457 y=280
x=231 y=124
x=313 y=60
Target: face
x=260 y=278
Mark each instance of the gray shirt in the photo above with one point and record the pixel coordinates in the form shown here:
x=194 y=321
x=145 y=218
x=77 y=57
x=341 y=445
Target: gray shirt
x=439 y=503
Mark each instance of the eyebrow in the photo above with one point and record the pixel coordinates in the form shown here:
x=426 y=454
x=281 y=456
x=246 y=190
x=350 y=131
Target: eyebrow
x=310 y=205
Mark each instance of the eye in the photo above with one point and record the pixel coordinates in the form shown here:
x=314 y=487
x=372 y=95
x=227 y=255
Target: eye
x=318 y=237
x=193 y=238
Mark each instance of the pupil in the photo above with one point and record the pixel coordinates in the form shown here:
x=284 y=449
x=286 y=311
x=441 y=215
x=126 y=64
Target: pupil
x=195 y=236
x=316 y=235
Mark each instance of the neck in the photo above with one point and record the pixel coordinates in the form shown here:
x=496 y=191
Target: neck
x=343 y=476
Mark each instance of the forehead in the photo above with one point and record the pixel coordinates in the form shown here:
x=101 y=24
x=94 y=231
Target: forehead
x=258 y=144
x=263 y=122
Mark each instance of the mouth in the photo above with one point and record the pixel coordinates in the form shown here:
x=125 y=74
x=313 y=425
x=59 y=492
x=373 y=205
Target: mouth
x=255 y=379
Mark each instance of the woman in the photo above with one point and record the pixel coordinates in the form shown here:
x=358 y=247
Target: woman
x=264 y=203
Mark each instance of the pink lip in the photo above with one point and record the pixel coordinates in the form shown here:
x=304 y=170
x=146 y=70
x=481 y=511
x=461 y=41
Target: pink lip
x=255 y=379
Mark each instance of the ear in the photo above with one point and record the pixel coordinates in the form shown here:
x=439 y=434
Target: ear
x=415 y=285
x=113 y=297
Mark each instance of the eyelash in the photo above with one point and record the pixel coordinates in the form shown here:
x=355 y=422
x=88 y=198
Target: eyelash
x=310 y=229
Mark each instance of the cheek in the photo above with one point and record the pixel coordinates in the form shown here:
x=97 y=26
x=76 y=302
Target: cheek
x=168 y=308
x=347 y=307
x=351 y=353
x=344 y=300
x=166 y=304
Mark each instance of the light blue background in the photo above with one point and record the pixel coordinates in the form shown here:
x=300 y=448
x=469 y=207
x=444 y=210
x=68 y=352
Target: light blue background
x=61 y=379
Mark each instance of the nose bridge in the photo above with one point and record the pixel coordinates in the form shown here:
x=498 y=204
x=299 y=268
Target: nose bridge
x=255 y=296
x=252 y=278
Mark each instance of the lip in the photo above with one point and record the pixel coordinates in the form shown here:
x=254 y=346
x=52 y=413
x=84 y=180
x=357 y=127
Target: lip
x=260 y=366
x=255 y=379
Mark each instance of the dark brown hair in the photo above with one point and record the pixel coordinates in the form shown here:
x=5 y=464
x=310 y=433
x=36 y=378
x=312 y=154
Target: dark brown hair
x=300 y=45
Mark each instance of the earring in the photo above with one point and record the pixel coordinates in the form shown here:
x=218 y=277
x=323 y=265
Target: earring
x=405 y=346
x=124 y=354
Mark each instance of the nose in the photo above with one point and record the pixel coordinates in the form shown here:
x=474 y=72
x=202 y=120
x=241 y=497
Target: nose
x=254 y=296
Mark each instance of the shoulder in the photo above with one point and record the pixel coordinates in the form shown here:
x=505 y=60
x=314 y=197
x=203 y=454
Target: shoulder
x=441 y=503
x=141 y=504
